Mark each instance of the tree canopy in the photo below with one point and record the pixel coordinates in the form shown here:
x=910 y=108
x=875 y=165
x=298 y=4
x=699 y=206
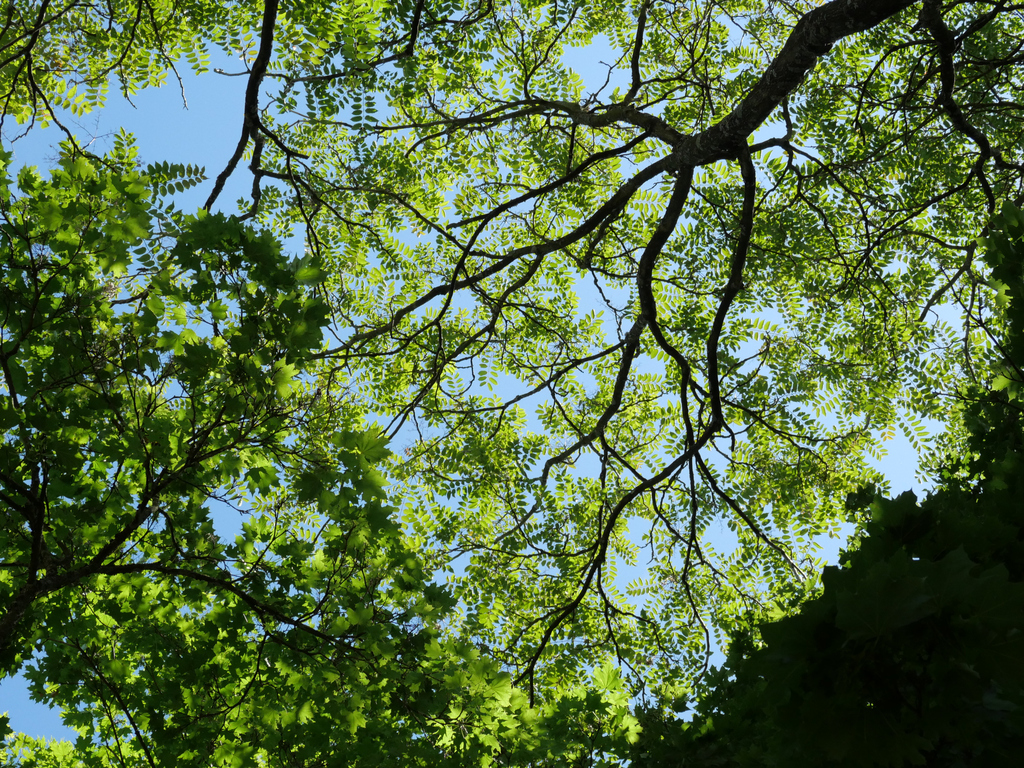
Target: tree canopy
x=912 y=652
x=549 y=324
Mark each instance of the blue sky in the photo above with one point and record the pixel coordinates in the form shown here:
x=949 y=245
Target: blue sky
x=205 y=133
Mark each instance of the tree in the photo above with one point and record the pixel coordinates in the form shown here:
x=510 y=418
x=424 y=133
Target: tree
x=704 y=291
x=735 y=251
x=154 y=366
x=911 y=655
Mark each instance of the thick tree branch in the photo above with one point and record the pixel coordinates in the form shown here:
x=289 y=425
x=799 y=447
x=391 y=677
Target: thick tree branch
x=813 y=37
x=733 y=287
x=251 y=109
